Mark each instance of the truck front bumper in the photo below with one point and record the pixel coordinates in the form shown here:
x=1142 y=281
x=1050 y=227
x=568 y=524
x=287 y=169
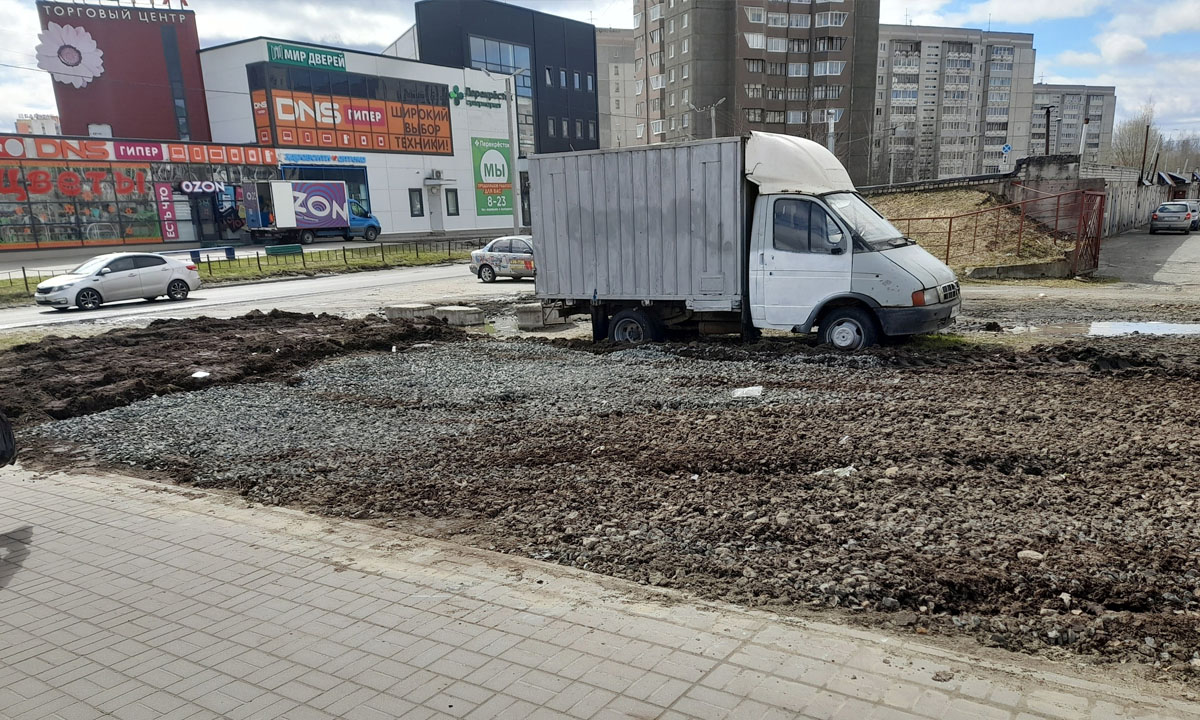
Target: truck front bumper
x=916 y=320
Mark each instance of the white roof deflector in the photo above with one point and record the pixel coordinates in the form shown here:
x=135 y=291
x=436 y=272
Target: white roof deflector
x=785 y=163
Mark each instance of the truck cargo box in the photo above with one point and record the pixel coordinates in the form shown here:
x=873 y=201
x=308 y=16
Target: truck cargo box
x=656 y=223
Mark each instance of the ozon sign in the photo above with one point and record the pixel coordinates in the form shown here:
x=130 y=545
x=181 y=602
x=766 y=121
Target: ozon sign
x=201 y=187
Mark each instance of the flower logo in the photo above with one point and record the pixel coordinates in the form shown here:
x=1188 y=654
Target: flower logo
x=70 y=55
x=456 y=95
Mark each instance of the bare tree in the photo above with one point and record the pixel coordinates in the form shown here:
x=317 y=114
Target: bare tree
x=1130 y=135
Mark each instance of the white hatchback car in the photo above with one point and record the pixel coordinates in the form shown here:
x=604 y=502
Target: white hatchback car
x=119 y=276
x=508 y=256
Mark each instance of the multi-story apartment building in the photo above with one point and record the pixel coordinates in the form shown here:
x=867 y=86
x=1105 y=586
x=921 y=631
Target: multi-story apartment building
x=950 y=102
x=615 y=82
x=38 y=125
x=708 y=68
x=1074 y=109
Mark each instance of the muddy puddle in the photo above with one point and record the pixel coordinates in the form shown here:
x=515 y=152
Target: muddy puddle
x=1107 y=329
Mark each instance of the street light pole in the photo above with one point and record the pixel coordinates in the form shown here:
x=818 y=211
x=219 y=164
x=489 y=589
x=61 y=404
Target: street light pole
x=712 y=115
x=514 y=173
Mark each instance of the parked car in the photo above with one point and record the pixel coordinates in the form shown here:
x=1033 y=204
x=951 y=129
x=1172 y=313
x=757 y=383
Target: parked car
x=1175 y=215
x=1194 y=209
x=508 y=256
x=119 y=276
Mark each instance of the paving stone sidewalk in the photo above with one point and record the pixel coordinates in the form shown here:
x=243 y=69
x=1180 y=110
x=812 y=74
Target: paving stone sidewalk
x=126 y=599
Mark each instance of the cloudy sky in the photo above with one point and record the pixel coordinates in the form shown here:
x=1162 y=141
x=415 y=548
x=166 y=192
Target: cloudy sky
x=1146 y=48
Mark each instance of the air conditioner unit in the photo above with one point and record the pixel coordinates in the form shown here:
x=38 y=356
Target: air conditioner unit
x=436 y=174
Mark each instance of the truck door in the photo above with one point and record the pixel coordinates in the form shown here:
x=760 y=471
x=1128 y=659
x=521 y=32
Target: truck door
x=805 y=258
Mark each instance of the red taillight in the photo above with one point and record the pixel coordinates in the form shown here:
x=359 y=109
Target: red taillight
x=1154 y=216
x=193 y=267
x=1187 y=217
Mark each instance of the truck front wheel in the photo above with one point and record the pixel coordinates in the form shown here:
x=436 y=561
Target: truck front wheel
x=849 y=328
x=633 y=326
x=307 y=237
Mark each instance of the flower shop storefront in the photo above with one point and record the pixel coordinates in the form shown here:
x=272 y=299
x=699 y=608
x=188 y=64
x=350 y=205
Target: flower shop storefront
x=67 y=192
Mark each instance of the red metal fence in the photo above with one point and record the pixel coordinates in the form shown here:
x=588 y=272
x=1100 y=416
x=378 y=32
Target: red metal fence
x=1041 y=227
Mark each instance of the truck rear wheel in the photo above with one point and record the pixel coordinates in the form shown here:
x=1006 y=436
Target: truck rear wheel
x=307 y=237
x=633 y=326
x=849 y=328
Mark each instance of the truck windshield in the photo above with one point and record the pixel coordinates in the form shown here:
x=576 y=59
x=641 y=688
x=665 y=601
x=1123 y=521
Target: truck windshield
x=865 y=221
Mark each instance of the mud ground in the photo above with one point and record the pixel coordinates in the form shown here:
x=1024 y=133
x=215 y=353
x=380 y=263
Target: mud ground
x=1039 y=499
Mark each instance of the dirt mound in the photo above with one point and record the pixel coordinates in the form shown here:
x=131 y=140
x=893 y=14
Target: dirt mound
x=59 y=377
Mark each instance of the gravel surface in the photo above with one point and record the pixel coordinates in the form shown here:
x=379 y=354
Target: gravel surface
x=1040 y=500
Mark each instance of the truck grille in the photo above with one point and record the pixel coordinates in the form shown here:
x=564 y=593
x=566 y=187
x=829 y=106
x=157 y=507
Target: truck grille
x=949 y=292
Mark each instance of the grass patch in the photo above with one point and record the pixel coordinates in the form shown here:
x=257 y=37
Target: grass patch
x=323 y=262
x=14 y=294
x=944 y=341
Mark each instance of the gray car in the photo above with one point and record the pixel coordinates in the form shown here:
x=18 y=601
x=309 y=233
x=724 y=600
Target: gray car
x=1194 y=208
x=1175 y=215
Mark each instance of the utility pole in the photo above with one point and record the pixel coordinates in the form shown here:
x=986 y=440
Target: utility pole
x=1145 y=147
x=514 y=175
x=1048 y=109
x=712 y=115
x=829 y=135
x=1083 y=137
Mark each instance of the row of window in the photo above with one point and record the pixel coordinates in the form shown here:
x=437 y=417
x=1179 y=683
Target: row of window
x=825 y=68
x=659 y=127
x=658 y=82
x=577 y=77
x=792 y=117
x=562 y=128
x=759 y=15
x=756 y=91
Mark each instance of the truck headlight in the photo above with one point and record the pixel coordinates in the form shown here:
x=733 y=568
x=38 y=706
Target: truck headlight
x=925 y=297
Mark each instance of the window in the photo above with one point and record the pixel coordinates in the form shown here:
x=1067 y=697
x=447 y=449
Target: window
x=638 y=87
x=829 y=44
x=549 y=77
x=657 y=82
x=671 y=75
x=686 y=120
x=671 y=100
x=773 y=116
x=591 y=129
x=775 y=92
x=656 y=127
x=777 y=44
x=566 y=128
x=451 y=201
x=576 y=78
x=655 y=36
x=616 y=103
x=797 y=69
x=670 y=50
x=797 y=93
x=822 y=116
x=829 y=67
x=579 y=129
x=641 y=130
x=684 y=23
x=637 y=20
x=687 y=95
x=802 y=226
x=562 y=77
x=827 y=92
x=831 y=19
x=684 y=70
x=799 y=21
x=416 y=202
x=756 y=41
x=754 y=115
x=775 y=19
x=656 y=58
x=797 y=117
x=797 y=45
x=551 y=124
x=145 y=261
x=754 y=91
x=756 y=14
x=655 y=105
x=683 y=47
x=777 y=68
x=672 y=123
x=999 y=82
x=756 y=66
x=656 y=12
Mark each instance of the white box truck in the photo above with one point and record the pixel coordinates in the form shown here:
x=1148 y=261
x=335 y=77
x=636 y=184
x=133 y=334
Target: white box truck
x=725 y=236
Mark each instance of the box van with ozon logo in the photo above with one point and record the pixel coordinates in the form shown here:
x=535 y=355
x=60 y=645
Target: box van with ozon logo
x=302 y=211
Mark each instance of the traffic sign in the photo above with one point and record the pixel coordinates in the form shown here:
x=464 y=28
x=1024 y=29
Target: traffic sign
x=1006 y=149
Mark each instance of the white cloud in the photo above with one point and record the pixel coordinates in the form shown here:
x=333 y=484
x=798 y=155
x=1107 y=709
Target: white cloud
x=918 y=12
x=1157 y=18
x=1120 y=48
x=1020 y=12
x=1074 y=58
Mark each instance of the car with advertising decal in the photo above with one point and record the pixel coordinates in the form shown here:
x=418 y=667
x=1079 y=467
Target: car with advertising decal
x=508 y=256
x=302 y=211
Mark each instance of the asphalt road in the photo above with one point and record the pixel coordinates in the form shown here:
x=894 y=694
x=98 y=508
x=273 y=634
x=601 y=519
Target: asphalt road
x=1162 y=259
x=354 y=293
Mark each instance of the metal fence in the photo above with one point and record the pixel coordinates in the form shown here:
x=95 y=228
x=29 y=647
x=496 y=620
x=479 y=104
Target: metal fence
x=389 y=254
x=1003 y=229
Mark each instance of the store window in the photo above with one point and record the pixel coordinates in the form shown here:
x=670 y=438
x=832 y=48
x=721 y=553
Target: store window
x=416 y=202
x=451 y=201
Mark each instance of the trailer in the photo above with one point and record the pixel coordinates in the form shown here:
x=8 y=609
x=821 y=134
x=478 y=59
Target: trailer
x=731 y=235
x=302 y=211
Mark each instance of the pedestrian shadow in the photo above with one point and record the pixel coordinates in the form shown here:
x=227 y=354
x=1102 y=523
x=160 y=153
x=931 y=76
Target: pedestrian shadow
x=14 y=548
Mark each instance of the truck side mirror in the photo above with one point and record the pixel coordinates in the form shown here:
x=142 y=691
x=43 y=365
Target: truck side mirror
x=836 y=237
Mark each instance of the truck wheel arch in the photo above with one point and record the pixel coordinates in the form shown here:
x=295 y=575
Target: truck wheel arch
x=844 y=300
